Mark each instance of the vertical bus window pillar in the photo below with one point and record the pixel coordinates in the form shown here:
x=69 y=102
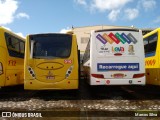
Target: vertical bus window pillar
x=32 y=45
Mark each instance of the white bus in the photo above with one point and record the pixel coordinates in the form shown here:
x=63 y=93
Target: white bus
x=115 y=57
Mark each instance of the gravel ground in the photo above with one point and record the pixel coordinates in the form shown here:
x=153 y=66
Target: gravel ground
x=120 y=105
x=89 y=103
x=86 y=109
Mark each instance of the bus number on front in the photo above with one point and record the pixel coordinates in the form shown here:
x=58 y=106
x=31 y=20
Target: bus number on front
x=67 y=61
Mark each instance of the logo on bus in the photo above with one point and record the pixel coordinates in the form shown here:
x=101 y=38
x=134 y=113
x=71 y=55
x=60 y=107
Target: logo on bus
x=50 y=75
x=116 y=38
x=117 y=49
x=104 y=49
x=131 y=50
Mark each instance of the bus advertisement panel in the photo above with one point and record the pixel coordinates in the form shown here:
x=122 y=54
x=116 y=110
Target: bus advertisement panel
x=116 y=57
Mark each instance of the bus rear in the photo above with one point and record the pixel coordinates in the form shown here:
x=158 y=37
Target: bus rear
x=117 y=57
x=51 y=62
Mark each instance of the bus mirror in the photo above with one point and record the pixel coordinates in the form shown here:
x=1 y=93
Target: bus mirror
x=32 y=46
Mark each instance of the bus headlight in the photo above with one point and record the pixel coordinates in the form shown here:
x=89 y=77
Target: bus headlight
x=1 y=68
x=69 y=71
x=31 y=72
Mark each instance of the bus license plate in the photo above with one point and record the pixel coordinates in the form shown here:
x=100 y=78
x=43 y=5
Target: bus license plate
x=118 y=75
x=50 y=77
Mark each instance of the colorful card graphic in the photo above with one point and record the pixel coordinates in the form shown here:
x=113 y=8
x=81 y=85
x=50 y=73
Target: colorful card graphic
x=120 y=38
x=100 y=38
x=117 y=67
x=132 y=38
x=117 y=38
x=124 y=36
x=108 y=38
x=113 y=37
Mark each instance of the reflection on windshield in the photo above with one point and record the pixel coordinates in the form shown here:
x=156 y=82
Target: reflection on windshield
x=51 y=45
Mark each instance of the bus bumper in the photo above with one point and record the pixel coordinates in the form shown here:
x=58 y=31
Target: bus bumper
x=137 y=81
x=38 y=85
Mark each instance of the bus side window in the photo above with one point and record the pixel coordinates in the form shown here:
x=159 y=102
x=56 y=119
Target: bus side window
x=150 y=45
x=153 y=42
x=10 y=44
x=15 y=46
x=22 y=48
x=146 y=45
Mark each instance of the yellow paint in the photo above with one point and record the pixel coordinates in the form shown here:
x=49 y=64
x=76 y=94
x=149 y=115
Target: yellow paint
x=152 y=63
x=13 y=67
x=51 y=73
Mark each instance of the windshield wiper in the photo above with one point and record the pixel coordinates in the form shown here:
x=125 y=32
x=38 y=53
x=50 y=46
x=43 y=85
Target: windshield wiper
x=46 y=57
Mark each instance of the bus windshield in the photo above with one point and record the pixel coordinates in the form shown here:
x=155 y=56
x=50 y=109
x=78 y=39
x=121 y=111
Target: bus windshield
x=51 y=45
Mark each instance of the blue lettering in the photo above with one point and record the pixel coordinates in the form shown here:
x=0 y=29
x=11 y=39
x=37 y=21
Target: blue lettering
x=118 y=66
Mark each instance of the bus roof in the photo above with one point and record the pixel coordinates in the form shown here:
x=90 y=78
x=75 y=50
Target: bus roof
x=11 y=32
x=150 y=33
x=48 y=34
x=119 y=29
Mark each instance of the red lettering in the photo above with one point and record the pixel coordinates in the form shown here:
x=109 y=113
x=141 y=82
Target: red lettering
x=68 y=61
x=12 y=62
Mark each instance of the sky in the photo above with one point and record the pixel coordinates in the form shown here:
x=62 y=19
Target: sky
x=44 y=16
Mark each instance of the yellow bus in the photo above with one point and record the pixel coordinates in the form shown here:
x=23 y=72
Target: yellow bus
x=51 y=62
x=152 y=56
x=11 y=58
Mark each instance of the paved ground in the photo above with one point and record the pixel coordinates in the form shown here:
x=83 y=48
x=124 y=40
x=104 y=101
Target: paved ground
x=102 y=102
